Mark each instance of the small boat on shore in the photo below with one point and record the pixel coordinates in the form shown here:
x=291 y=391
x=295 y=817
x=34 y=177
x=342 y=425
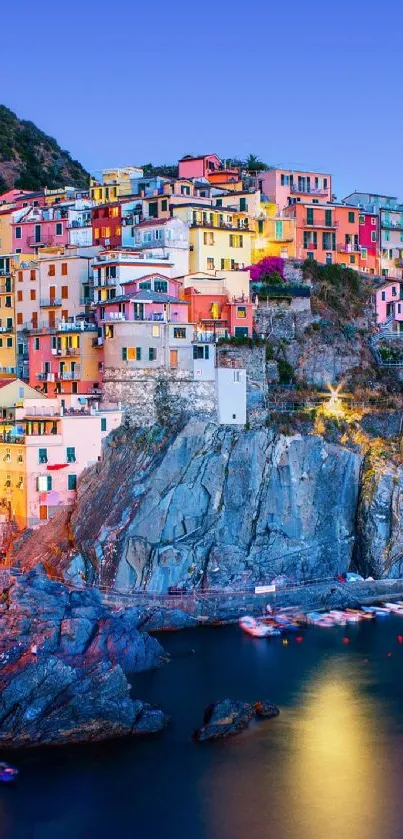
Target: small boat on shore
x=7 y=773
x=256 y=628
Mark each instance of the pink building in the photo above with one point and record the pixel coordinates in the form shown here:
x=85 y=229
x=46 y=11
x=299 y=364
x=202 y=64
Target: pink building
x=200 y=166
x=388 y=302
x=369 y=242
x=286 y=186
x=37 y=227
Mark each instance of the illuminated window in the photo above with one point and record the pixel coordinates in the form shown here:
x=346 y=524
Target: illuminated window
x=179 y=332
x=241 y=311
x=155 y=331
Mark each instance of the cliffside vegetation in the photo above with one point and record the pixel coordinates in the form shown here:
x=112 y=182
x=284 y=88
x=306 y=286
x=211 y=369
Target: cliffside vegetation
x=30 y=159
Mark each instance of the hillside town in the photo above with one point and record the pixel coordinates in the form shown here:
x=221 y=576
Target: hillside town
x=137 y=295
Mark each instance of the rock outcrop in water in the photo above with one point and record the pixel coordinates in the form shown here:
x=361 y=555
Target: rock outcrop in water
x=63 y=659
x=231 y=716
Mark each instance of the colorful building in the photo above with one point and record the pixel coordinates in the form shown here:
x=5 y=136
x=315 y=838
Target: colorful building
x=274 y=236
x=215 y=313
x=113 y=184
x=112 y=269
x=387 y=299
x=219 y=239
x=43 y=451
x=328 y=233
x=201 y=166
x=8 y=348
x=66 y=359
x=107 y=225
x=288 y=186
x=164 y=238
x=369 y=242
x=34 y=228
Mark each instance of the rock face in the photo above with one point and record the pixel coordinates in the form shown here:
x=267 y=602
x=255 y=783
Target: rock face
x=379 y=543
x=63 y=658
x=216 y=506
x=231 y=716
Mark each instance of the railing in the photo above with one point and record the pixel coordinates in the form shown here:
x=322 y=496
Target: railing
x=392 y=225
x=7 y=328
x=98 y=342
x=219 y=226
x=348 y=248
x=6 y=288
x=32 y=241
x=321 y=224
x=209 y=337
x=45 y=377
x=69 y=375
x=47 y=302
x=305 y=190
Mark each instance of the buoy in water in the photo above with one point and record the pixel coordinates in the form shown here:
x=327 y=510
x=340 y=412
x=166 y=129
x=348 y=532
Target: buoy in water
x=285 y=642
x=346 y=640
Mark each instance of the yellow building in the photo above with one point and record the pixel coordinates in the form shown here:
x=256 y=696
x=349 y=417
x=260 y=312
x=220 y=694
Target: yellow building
x=13 y=460
x=6 y=236
x=219 y=240
x=274 y=236
x=115 y=183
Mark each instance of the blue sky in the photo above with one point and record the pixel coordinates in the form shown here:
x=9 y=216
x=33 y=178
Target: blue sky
x=302 y=84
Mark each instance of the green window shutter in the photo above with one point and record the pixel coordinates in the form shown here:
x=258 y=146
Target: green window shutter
x=103 y=423
x=328 y=218
x=138 y=353
x=309 y=216
x=49 y=482
x=242 y=205
x=71 y=482
x=260 y=226
x=124 y=353
x=279 y=230
x=71 y=454
x=351 y=218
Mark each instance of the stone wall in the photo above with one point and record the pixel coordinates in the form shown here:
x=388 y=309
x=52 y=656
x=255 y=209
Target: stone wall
x=146 y=394
x=278 y=323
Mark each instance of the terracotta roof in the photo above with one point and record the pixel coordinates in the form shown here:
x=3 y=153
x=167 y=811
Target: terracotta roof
x=5 y=382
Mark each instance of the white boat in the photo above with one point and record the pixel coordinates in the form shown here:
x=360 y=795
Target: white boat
x=257 y=628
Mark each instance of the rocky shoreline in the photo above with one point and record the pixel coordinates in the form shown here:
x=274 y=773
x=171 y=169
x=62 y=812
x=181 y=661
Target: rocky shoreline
x=64 y=658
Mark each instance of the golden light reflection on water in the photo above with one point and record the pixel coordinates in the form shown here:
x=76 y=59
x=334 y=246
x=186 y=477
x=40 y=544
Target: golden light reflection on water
x=310 y=774
x=333 y=762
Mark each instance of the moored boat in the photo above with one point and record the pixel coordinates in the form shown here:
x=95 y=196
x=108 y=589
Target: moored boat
x=7 y=773
x=257 y=628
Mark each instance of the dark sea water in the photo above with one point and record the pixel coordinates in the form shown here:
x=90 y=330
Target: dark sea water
x=329 y=767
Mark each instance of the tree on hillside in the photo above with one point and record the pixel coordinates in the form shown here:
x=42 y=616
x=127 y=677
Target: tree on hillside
x=253 y=164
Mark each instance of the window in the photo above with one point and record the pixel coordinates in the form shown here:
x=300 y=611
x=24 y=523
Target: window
x=161 y=286
x=124 y=353
x=44 y=483
x=387 y=235
x=19 y=296
x=65 y=292
x=285 y=180
x=201 y=352
x=18 y=232
x=383 y=295
x=243 y=205
x=324 y=183
x=52 y=271
x=394 y=292
x=155 y=331
x=210 y=263
x=64 y=269
x=145 y=285
x=71 y=482
x=235 y=241
x=351 y=218
x=260 y=225
x=208 y=238
x=352 y=259
x=164 y=203
x=364 y=253
x=20 y=320
x=309 y=216
x=103 y=423
x=241 y=331
x=71 y=454
x=42 y=455
x=361 y=219
x=36 y=343
x=138 y=353
x=179 y=332
x=373 y=220
x=43 y=512
x=9 y=342
x=20 y=276
x=218 y=202
x=8 y=302
x=241 y=311
x=32 y=294
x=153 y=209
x=373 y=235
x=328 y=218
x=152 y=354
x=59 y=229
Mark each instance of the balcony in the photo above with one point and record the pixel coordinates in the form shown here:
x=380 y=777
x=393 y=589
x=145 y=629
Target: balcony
x=50 y=303
x=6 y=288
x=221 y=225
x=7 y=328
x=79 y=225
x=69 y=375
x=344 y=247
x=296 y=190
x=44 y=241
x=209 y=337
x=392 y=225
x=322 y=224
x=45 y=377
x=67 y=351
x=280 y=239
x=98 y=342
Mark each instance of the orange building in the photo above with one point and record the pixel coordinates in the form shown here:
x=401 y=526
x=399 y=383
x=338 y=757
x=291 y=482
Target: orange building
x=328 y=233
x=217 y=313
